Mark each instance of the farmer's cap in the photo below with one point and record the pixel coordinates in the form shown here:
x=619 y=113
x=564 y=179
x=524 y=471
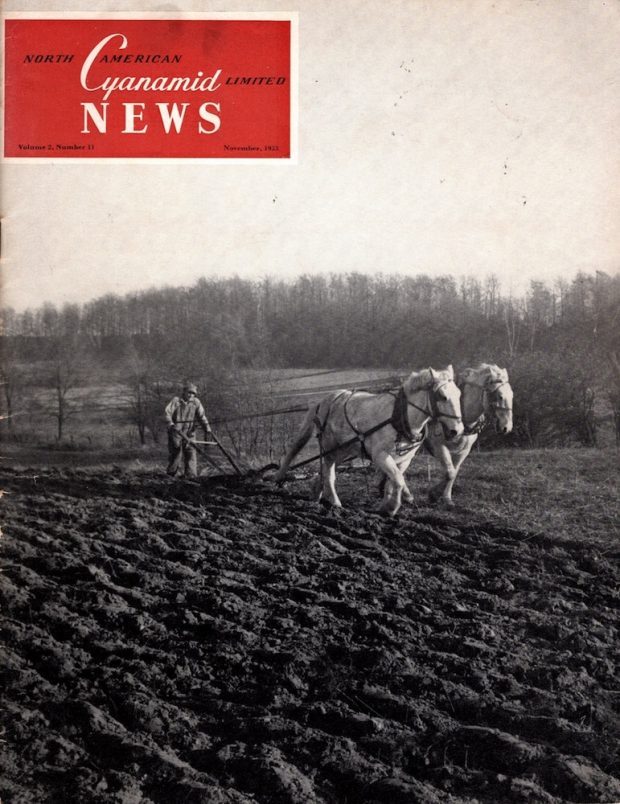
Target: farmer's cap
x=190 y=388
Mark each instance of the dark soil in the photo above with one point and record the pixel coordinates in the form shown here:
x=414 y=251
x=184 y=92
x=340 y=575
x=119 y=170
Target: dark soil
x=233 y=642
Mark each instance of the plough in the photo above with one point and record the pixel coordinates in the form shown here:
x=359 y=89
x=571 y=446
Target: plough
x=206 y=456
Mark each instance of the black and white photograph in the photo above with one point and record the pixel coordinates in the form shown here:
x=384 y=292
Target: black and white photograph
x=309 y=454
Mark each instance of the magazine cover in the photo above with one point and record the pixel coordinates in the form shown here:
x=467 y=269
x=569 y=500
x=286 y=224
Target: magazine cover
x=309 y=401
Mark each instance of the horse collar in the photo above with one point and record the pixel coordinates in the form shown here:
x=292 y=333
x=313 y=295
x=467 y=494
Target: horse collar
x=400 y=420
x=476 y=427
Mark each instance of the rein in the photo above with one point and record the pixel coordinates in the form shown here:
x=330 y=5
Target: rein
x=361 y=436
x=401 y=423
x=434 y=413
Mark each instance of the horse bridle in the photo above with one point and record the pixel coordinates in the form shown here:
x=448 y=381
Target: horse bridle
x=434 y=412
x=488 y=401
x=491 y=393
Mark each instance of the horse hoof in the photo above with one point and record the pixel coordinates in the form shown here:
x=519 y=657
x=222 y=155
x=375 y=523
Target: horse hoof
x=391 y=512
x=330 y=504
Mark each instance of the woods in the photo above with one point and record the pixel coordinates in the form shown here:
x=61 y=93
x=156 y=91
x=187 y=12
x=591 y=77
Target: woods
x=560 y=342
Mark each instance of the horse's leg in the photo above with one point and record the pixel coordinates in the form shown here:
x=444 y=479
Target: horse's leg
x=456 y=462
x=394 y=485
x=442 y=454
x=403 y=466
x=329 y=482
x=451 y=463
x=407 y=495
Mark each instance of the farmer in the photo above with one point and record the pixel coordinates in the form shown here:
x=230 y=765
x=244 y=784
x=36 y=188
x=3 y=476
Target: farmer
x=182 y=415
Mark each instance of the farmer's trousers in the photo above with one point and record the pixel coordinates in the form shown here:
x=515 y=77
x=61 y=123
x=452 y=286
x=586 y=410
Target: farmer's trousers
x=178 y=450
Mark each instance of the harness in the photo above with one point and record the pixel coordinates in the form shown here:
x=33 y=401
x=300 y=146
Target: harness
x=359 y=435
x=398 y=420
x=489 y=396
x=477 y=427
x=406 y=439
x=494 y=393
x=362 y=435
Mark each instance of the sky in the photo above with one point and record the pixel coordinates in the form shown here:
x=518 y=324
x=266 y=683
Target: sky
x=465 y=138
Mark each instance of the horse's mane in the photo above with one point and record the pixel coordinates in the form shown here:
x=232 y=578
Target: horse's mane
x=423 y=378
x=492 y=369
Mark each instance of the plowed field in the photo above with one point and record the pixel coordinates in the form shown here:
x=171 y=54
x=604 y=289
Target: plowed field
x=233 y=642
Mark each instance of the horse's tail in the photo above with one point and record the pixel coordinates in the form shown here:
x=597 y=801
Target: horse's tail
x=317 y=416
x=301 y=439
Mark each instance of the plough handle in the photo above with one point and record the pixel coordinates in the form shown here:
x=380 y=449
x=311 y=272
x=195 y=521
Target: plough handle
x=226 y=455
x=201 y=451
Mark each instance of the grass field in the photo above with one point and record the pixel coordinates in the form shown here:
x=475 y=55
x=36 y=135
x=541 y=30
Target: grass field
x=555 y=491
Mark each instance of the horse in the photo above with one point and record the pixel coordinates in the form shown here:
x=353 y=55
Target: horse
x=387 y=427
x=485 y=394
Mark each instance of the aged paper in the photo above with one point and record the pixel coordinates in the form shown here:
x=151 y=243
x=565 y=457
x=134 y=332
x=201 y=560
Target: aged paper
x=363 y=186
x=446 y=138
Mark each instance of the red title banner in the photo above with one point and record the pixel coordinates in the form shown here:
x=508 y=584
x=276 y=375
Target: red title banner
x=146 y=88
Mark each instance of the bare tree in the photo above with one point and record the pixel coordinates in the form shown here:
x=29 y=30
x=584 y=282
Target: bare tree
x=66 y=371
x=148 y=394
x=614 y=393
x=147 y=404
x=512 y=323
x=10 y=380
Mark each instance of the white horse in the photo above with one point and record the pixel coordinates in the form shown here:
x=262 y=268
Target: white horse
x=485 y=394
x=386 y=427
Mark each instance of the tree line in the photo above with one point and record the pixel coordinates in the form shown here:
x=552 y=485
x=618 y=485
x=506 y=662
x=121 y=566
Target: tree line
x=560 y=340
